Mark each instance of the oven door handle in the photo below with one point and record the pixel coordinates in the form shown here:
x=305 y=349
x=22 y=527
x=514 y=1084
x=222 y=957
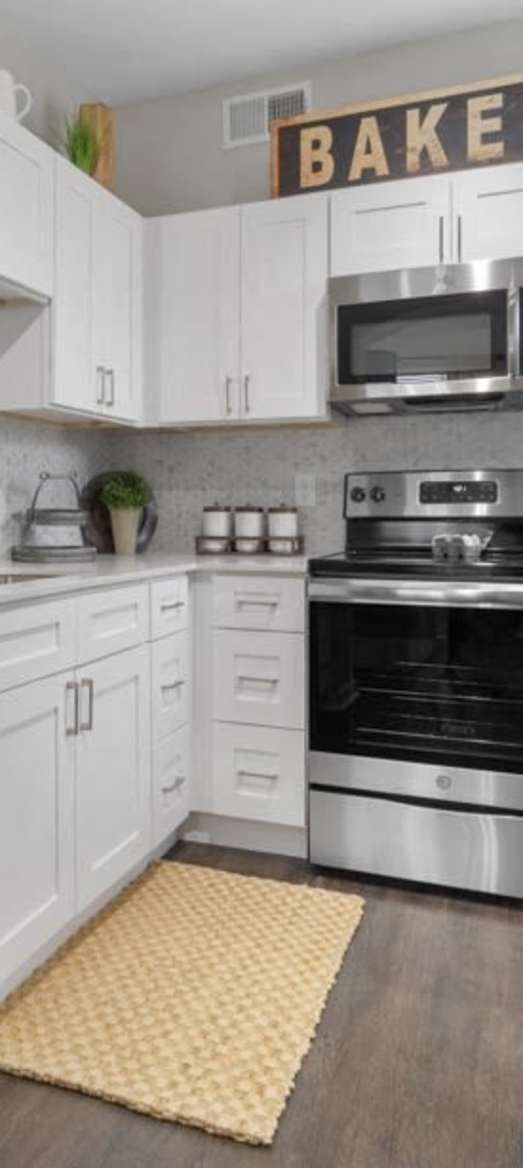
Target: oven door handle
x=450 y=594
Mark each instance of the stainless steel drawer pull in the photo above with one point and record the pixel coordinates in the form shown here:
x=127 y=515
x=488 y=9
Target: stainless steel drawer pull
x=170 y=606
x=258 y=680
x=177 y=782
x=259 y=775
x=72 y=687
x=110 y=374
x=87 y=684
x=257 y=603
x=100 y=381
x=169 y=685
x=228 y=406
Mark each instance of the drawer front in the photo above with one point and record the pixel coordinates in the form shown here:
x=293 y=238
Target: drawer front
x=170 y=685
x=111 y=621
x=169 y=606
x=461 y=849
x=259 y=773
x=259 y=602
x=36 y=640
x=259 y=678
x=171 y=783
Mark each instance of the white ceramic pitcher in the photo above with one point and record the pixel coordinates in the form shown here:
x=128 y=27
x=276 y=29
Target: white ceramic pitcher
x=9 y=90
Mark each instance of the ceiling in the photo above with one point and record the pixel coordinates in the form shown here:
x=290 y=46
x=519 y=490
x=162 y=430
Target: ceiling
x=132 y=50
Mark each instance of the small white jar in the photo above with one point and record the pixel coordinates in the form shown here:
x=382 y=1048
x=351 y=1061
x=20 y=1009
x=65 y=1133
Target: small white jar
x=217 y=522
x=249 y=522
x=283 y=522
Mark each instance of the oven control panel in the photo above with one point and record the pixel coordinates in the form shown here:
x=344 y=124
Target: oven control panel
x=458 y=491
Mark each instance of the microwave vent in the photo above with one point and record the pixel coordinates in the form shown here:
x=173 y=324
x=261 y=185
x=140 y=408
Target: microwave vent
x=247 y=119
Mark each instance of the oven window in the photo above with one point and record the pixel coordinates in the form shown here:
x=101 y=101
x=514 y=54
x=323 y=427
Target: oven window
x=435 y=685
x=443 y=337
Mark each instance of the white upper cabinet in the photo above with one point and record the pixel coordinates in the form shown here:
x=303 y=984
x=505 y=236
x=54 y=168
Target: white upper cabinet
x=193 y=315
x=75 y=380
x=284 y=308
x=380 y=227
x=237 y=320
x=488 y=212
x=97 y=309
x=118 y=305
x=26 y=208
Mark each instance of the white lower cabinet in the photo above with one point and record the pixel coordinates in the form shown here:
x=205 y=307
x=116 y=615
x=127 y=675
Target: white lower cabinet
x=36 y=817
x=171 y=783
x=259 y=678
x=258 y=773
x=113 y=771
x=170 y=685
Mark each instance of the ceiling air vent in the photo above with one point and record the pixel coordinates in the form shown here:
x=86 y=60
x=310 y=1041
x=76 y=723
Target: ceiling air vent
x=248 y=118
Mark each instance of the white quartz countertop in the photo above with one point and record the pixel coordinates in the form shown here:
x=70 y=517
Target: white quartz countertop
x=57 y=579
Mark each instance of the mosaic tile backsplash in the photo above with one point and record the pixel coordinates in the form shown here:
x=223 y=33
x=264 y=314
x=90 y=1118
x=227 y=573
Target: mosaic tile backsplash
x=188 y=470
x=258 y=466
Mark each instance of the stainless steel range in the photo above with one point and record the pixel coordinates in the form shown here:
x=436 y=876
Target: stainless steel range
x=416 y=682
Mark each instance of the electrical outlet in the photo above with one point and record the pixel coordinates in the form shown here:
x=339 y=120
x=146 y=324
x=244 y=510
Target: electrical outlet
x=305 y=490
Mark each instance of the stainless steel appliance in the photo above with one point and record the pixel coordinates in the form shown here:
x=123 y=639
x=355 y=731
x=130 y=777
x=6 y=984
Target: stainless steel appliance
x=428 y=339
x=416 y=682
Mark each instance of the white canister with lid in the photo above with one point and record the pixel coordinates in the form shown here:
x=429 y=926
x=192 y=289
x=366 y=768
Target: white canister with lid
x=217 y=522
x=283 y=522
x=249 y=522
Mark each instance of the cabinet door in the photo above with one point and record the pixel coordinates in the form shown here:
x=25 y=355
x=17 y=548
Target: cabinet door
x=36 y=818
x=378 y=228
x=117 y=306
x=113 y=771
x=488 y=207
x=171 y=783
x=284 y=308
x=26 y=223
x=77 y=382
x=194 y=314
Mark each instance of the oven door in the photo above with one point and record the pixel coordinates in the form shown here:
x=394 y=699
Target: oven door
x=446 y=337
x=417 y=700
x=416 y=739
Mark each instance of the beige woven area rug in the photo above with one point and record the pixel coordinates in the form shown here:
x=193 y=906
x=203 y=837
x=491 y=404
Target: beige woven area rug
x=193 y=997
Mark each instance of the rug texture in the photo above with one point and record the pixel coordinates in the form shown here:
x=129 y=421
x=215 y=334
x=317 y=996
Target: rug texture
x=193 y=997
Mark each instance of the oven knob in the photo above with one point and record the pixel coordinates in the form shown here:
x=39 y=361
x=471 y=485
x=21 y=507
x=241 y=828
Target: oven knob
x=377 y=494
x=357 y=495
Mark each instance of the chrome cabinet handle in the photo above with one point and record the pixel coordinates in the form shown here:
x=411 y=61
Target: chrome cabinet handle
x=169 y=606
x=110 y=374
x=460 y=238
x=72 y=687
x=177 y=782
x=243 y=602
x=249 y=677
x=169 y=685
x=228 y=403
x=87 y=684
x=259 y=775
x=441 y=239
x=246 y=386
x=100 y=379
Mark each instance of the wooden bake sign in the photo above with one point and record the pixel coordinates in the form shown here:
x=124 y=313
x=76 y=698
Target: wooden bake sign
x=429 y=133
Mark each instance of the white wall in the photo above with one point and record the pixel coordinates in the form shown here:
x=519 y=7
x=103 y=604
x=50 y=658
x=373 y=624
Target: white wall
x=169 y=155
x=54 y=91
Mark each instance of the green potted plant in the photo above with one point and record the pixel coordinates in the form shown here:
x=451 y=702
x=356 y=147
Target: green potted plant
x=81 y=144
x=125 y=495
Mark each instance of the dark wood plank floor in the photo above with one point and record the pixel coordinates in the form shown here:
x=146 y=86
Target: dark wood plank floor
x=418 y=1062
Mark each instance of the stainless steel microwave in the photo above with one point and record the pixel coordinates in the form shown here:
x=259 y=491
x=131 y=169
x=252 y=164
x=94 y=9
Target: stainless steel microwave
x=428 y=339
